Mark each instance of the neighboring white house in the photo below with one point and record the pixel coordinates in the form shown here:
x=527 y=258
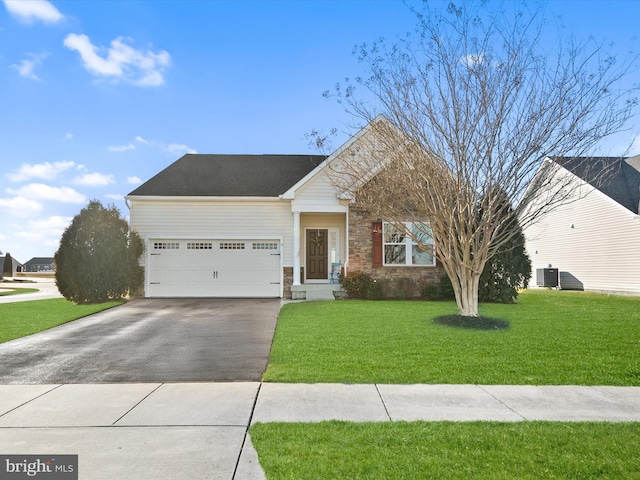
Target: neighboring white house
x=259 y=226
x=593 y=242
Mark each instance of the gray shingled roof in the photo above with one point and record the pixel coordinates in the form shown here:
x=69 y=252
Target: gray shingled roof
x=616 y=177
x=230 y=175
x=40 y=261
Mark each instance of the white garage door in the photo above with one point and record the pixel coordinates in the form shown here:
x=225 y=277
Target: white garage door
x=214 y=268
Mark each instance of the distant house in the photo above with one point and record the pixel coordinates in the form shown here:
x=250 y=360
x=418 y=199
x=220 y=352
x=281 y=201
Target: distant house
x=16 y=266
x=40 y=264
x=594 y=242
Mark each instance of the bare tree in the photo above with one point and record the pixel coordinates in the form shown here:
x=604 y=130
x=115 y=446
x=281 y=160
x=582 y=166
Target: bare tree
x=469 y=110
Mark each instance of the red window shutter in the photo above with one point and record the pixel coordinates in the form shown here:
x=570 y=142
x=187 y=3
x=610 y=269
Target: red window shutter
x=376 y=244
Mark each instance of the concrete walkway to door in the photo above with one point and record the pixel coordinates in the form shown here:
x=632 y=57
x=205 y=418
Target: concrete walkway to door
x=149 y=340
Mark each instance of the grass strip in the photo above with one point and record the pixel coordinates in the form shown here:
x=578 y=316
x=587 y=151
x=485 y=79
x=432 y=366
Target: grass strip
x=6 y=291
x=554 y=338
x=25 y=318
x=448 y=450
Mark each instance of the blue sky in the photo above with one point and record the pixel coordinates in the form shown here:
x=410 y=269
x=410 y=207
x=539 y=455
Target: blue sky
x=99 y=96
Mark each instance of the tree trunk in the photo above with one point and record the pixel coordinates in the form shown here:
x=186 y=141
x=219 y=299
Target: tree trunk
x=467 y=297
x=465 y=287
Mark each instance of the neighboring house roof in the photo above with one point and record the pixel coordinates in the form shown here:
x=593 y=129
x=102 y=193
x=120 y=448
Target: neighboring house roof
x=15 y=262
x=39 y=261
x=616 y=177
x=230 y=175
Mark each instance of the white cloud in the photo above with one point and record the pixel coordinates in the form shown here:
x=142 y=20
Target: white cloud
x=133 y=180
x=120 y=62
x=55 y=222
x=20 y=206
x=180 y=149
x=32 y=10
x=45 y=231
x=40 y=191
x=173 y=148
x=38 y=236
x=473 y=59
x=68 y=136
x=26 y=68
x=122 y=148
x=44 y=171
x=114 y=196
x=93 y=179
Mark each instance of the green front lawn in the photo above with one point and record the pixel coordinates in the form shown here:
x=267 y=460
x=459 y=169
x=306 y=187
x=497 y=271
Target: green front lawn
x=447 y=450
x=554 y=338
x=25 y=318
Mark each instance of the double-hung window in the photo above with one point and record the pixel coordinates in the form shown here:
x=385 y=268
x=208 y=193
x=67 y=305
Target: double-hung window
x=403 y=249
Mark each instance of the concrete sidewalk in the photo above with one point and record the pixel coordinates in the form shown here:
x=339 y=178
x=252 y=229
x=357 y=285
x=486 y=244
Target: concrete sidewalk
x=199 y=430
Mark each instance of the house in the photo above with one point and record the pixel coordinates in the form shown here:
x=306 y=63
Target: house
x=594 y=241
x=16 y=266
x=262 y=226
x=40 y=264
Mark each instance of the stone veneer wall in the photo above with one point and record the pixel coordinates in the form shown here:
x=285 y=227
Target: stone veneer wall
x=409 y=279
x=288 y=281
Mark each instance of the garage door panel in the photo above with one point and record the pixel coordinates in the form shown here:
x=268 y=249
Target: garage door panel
x=221 y=268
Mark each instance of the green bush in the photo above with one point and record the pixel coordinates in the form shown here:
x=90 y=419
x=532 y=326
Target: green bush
x=358 y=285
x=508 y=270
x=403 y=289
x=443 y=290
x=376 y=291
x=504 y=274
x=98 y=257
x=430 y=291
x=446 y=288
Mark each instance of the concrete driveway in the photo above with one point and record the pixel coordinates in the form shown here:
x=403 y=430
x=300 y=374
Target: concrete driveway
x=149 y=340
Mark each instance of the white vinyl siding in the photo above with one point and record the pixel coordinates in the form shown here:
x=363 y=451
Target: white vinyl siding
x=318 y=195
x=201 y=219
x=594 y=242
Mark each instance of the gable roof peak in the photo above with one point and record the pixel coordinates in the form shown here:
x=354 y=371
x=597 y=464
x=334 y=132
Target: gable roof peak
x=616 y=177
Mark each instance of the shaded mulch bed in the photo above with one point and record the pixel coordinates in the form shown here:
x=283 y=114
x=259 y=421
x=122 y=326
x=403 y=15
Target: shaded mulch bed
x=476 y=323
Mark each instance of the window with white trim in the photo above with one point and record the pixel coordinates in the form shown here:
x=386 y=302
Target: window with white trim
x=401 y=248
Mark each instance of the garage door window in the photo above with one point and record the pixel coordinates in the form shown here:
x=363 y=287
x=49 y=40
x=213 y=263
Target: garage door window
x=199 y=245
x=232 y=246
x=265 y=246
x=166 y=245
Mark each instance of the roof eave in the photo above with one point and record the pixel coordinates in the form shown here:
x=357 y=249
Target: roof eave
x=202 y=198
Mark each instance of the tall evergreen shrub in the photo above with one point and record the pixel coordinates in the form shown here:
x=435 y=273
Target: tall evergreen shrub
x=98 y=256
x=509 y=270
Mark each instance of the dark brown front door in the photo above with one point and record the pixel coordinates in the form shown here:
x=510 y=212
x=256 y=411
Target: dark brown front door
x=317 y=255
